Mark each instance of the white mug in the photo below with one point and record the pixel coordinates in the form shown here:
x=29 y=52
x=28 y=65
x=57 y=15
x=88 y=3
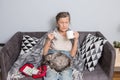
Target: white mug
x=70 y=34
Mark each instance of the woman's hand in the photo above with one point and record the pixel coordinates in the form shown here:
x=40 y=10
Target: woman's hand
x=47 y=45
x=76 y=35
x=51 y=36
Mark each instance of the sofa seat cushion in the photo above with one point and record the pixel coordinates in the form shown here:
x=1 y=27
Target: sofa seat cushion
x=97 y=74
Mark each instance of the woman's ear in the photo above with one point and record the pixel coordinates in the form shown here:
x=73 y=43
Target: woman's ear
x=57 y=25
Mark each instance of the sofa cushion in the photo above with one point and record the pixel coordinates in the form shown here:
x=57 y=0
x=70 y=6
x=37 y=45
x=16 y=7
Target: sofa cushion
x=91 y=50
x=27 y=43
x=97 y=74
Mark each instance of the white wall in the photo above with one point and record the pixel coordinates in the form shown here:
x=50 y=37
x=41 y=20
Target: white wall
x=38 y=15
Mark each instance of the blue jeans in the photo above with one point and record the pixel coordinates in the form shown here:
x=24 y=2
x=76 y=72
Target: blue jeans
x=53 y=75
x=64 y=75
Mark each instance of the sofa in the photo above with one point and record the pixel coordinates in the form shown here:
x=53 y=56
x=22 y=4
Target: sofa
x=103 y=71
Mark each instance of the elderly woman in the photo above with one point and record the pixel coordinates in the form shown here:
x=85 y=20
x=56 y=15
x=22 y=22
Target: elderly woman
x=58 y=41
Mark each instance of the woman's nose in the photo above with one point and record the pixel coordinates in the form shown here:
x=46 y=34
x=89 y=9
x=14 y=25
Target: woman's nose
x=64 y=24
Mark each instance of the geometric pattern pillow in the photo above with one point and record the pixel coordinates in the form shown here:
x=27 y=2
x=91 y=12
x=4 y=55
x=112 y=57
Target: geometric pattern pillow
x=27 y=43
x=91 y=50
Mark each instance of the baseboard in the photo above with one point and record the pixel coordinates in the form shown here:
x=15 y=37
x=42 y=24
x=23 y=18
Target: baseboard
x=2 y=44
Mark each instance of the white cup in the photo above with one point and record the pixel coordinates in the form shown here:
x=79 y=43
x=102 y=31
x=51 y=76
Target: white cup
x=70 y=34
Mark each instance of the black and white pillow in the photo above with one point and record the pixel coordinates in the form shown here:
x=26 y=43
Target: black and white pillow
x=28 y=43
x=91 y=50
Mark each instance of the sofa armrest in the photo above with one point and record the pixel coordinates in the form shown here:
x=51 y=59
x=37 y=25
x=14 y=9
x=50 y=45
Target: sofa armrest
x=107 y=60
x=9 y=53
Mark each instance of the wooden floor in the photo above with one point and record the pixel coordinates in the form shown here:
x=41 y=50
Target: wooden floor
x=116 y=76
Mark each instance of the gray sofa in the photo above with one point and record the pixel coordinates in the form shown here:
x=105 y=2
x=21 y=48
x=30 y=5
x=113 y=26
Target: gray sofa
x=103 y=71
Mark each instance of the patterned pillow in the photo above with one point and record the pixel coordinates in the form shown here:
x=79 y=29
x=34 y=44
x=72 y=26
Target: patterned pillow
x=91 y=50
x=27 y=43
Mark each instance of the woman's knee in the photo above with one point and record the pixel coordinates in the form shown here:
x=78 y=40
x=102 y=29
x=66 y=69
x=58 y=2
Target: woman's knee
x=67 y=74
x=50 y=75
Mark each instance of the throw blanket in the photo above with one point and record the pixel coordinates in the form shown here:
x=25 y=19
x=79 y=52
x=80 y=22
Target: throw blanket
x=35 y=57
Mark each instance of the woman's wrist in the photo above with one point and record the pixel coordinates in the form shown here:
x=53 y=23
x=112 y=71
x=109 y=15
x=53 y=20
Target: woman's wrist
x=48 y=39
x=75 y=39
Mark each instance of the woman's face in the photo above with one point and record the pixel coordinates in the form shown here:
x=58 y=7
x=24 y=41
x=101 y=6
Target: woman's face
x=63 y=24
